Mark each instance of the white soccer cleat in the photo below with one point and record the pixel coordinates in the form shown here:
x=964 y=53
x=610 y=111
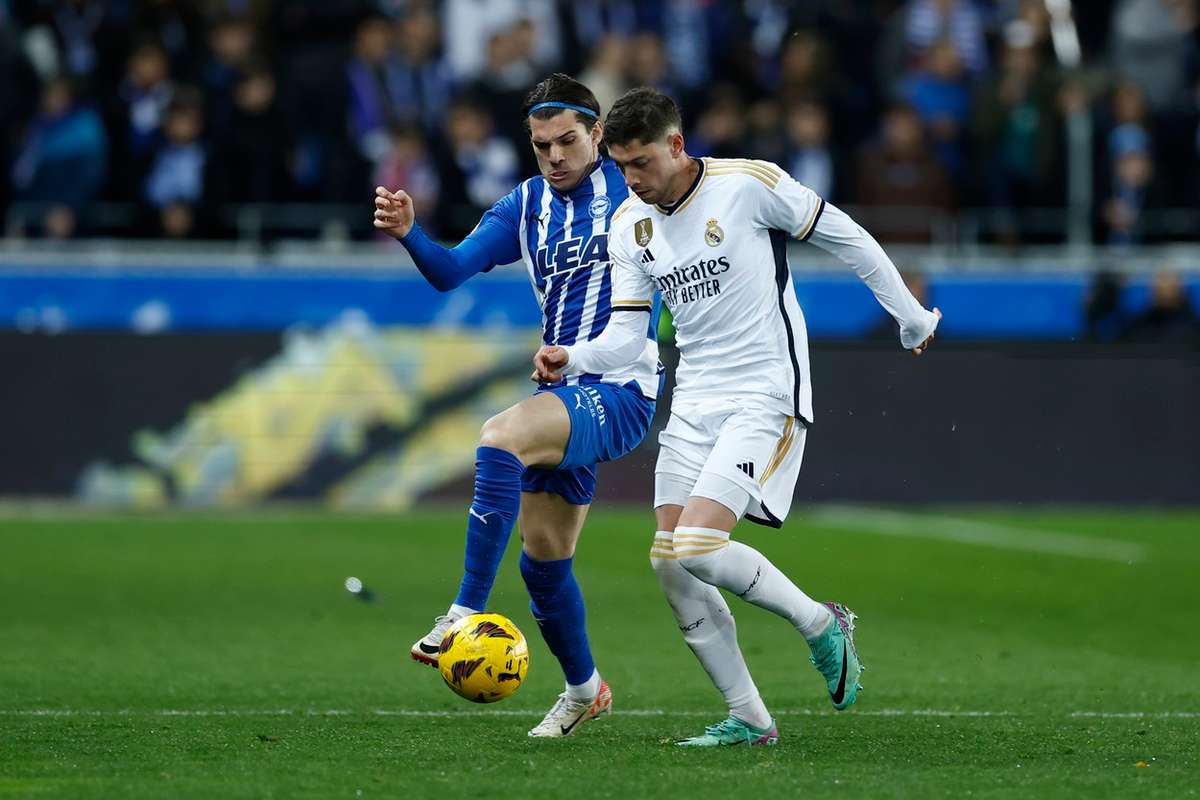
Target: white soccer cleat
x=568 y=715
x=426 y=648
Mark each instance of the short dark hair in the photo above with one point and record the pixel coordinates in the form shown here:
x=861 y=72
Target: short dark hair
x=561 y=88
x=642 y=114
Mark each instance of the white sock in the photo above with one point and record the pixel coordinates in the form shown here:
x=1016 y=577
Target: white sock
x=709 y=629
x=586 y=690
x=458 y=612
x=709 y=554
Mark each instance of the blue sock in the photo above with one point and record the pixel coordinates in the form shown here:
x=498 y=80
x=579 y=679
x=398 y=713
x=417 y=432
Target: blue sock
x=557 y=605
x=489 y=523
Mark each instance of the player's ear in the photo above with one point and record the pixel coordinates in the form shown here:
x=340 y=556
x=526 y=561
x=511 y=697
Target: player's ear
x=675 y=143
x=597 y=132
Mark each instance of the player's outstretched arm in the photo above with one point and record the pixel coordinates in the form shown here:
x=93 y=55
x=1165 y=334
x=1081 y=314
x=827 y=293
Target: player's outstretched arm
x=836 y=233
x=623 y=341
x=624 y=337
x=493 y=242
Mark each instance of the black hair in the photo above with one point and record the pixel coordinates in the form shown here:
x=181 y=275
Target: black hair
x=561 y=88
x=643 y=114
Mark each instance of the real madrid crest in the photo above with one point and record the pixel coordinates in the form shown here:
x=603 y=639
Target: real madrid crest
x=713 y=235
x=643 y=232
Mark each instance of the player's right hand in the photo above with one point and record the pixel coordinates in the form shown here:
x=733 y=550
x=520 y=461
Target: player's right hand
x=923 y=346
x=548 y=364
x=394 y=214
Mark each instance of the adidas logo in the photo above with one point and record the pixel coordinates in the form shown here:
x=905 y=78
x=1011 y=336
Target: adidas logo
x=647 y=257
x=747 y=467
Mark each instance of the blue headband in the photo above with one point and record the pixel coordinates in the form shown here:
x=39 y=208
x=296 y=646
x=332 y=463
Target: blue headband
x=568 y=106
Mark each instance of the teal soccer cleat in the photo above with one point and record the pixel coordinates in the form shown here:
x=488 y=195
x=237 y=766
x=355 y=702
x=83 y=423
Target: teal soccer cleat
x=835 y=658
x=732 y=731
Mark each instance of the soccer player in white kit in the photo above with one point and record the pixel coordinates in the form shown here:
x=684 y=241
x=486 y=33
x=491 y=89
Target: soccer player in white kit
x=711 y=235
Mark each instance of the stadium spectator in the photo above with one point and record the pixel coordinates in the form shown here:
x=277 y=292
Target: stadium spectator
x=696 y=36
x=720 y=127
x=77 y=38
x=1170 y=316
x=232 y=42
x=503 y=86
x=898 y=170
x=767 y=135
x=468 y=25
x=1017 y=130
x=1152 y=41
x=804 y=69
x=1130 y=166
x=941 y=95
x=64 y=158
x=1104 y=318
x=409 y=164
x=605 y=71
x=372 y=74
x=648 y=63
x=590 y=25
x=175 y=185
x=423 y=86
x=178 y=27
x=478 y=169
x=18 y=103
x=995 y=130
x=810 y=159
x=249 y=155
x=957 y=21
x=141 y=103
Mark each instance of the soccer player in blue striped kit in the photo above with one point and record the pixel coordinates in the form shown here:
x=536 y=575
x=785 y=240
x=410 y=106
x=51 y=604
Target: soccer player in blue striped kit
x=536 y=460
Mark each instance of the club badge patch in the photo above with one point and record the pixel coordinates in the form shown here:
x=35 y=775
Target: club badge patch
x=643 y=232
x=599 y=207
x=713 y=235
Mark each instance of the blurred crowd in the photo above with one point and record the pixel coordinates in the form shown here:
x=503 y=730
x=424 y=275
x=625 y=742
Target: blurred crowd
x=185 y=109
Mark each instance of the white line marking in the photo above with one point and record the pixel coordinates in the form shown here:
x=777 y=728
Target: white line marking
x=512 y=712
x=967 y=531
x=1138 y=714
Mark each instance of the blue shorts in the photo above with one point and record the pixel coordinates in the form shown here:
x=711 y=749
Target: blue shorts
x=607 y=421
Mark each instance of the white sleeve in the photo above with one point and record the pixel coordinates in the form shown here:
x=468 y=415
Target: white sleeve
x=624 y=338
x=834 y=232
x=783 y=203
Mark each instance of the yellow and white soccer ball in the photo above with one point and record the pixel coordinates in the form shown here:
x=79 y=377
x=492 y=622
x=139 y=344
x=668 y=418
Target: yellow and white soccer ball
x=484 y=657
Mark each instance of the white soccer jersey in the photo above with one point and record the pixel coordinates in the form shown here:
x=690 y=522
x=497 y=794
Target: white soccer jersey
x=719 y=257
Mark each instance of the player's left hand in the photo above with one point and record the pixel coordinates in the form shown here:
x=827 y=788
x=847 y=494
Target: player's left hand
x=548 y=364
x=923 y=346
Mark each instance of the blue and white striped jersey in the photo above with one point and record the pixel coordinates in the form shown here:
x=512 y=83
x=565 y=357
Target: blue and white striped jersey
x=564 y=244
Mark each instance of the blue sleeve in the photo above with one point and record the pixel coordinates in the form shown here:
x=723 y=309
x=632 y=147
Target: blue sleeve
x=495 y=241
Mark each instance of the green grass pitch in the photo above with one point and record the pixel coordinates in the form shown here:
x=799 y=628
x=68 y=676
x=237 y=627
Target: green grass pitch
x=220 y=656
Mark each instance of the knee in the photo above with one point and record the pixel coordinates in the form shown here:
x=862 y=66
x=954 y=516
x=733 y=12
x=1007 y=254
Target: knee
x=498 y=432
x=702 y=565
x=545 y=543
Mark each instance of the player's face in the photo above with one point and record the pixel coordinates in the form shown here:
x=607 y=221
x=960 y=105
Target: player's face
x=651 y=170
x=565 y=148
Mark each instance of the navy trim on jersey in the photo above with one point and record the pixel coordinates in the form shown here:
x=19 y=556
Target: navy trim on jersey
x=782 y=275
x=816 y=219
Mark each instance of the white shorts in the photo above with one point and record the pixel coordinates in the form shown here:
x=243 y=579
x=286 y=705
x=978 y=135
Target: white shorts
x=741 y=454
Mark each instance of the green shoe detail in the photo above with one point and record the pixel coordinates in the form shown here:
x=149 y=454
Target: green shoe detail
x=732 y=731
x=835 y=657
